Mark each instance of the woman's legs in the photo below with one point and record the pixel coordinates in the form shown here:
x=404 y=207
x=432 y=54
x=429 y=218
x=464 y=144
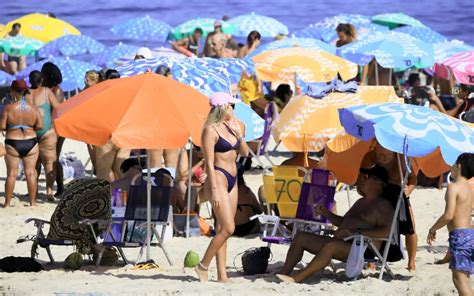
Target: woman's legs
x=59 y=167
x=156 y=157
x=411 y=241
x=104 y=156
x=121 y=155
x=12 y=160
x=226 y=227
x=29 y=163
x=171 y=157
x=47 y=154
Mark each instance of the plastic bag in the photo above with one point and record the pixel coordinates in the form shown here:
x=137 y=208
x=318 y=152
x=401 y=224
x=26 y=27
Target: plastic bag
x=355 y=260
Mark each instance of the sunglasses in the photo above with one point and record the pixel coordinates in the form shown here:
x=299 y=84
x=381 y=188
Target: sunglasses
x=232 y=106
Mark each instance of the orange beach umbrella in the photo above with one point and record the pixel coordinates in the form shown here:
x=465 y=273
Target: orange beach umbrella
x=144 y=111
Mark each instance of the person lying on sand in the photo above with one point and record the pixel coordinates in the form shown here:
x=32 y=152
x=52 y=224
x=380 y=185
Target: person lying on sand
x=371 y=216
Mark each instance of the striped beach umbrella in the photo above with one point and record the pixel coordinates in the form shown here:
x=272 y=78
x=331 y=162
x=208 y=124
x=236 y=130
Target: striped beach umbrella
x=293 y=42
x=206 y=24
x=266 y=26
x=394 y=20
x=460 y=65
x=20 y=45
x=423 y=33
x=107 y=57
x=43 y=27
x=72 y=71
x=391 y=50
x=232 y=68
x=206 y=81
x=143 y=28
x=135 y=67
x=70 y=45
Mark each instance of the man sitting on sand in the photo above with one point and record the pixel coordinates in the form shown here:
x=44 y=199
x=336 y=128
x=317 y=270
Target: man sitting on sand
x=457 y=216
x=371 y=216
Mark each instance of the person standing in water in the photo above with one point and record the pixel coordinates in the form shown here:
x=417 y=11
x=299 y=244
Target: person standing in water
x=222 y=140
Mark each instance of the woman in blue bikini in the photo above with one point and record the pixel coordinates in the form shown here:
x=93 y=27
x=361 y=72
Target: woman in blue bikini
x=221 y=141
x=20 y=119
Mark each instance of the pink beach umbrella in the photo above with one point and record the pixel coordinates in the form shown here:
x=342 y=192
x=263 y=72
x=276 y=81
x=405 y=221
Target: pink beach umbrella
x=460 y=65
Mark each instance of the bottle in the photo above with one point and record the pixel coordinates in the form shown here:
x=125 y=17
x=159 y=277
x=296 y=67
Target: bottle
x=124 y=198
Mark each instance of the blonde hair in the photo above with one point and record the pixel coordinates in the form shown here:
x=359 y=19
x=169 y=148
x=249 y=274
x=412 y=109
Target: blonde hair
x=216 y=115
x=93 y=75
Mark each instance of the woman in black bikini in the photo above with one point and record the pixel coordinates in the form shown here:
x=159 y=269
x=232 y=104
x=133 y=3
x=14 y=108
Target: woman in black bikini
x=20 y=120
x=221 y=141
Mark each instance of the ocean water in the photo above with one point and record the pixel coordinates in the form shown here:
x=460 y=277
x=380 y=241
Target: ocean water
x=452 y=18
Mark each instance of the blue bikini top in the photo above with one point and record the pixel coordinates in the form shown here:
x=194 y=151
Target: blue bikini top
x=223 y=145
x=20 y=126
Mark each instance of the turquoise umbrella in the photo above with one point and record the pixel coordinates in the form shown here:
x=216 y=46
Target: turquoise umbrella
x=108 y=57
x=72 y=71
x=206 y=24
x=266 y=26
x=393 y=20
x=20 y=45
x=143 y=28
x=422 y=33
x=70 y=45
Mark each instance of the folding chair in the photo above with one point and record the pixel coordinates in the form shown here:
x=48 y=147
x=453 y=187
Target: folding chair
x=135 y=216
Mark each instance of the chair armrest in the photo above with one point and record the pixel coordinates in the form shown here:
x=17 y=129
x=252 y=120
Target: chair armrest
x=36 y=220
x=366 y=238
x=296 y=221
x=266 y=219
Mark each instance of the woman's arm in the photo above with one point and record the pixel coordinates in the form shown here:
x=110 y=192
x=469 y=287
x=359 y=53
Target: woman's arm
x=208 y=140
x=53 y=101
x=177 y=44
x=4 y=120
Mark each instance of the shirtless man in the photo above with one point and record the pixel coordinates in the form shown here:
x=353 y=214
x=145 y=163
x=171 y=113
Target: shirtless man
x=370 y=215
x=457 y=216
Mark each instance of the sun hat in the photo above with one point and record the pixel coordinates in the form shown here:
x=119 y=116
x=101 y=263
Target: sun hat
x=222 y=98
x=217 y=23
x=145 y=52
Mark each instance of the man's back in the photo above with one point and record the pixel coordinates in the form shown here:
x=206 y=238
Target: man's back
x=464 y=196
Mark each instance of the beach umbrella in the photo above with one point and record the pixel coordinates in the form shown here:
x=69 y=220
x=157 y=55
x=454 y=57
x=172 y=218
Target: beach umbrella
x=43 y=27
x=3 y=30
x=108 y=57
x=266 y=26
x=325 y=30
x=391 y=50
x=308 y=124
x=146 y=111
x=73 y=71
x=444 y=50
x=206 y=24
x=293 y=42
x=423 y=33
x=143 y=28
x=460 y=65
x=232 y=68
x=5 y=78
x=413 y=131
x=70 y=45
x=394 y=20
x=20 y=45
x=254 y=124
x=311 y=65
x=206 y=81
x=135 y=67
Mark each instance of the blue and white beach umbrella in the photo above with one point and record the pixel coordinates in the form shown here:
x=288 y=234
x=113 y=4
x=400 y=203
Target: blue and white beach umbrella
x=108 y=57
x=135 y=67
x=254 y=124
x=6 y=78
x=230 y=68
x=266 y=26
x=206 y=81
x=70 y=45
x=421 y=128
x=293 y=42
x=72 y=71
x=325 y=30
x=423 y=33
x=444 y=50
x=391 y=50
x=143 y=28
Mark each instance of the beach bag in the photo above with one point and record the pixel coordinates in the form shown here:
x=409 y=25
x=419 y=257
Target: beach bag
x=355 y=260
x=72 y=167
x=255 y=260
x=179 y=225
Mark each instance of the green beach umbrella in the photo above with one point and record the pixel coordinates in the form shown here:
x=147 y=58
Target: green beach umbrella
x=393 y=20
x=20 y=45
x=206 y=24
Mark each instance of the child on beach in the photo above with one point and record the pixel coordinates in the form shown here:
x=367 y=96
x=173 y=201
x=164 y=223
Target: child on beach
x=457 y=217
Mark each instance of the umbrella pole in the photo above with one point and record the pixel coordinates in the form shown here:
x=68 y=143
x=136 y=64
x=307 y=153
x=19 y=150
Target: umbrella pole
x=376 y=73
x=395 y=218
x=390 y=76
x=190 y=176
x=148 y=207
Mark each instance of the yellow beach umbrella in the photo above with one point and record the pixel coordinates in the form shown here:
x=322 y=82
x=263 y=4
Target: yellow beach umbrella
x=308 y=124
x=42 y=27
x=3 y=30
x=311 y=65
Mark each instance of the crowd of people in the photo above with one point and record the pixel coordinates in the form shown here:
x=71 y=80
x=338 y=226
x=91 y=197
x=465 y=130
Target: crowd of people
x=30 y=138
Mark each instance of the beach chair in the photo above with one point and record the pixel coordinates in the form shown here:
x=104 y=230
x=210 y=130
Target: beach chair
x=134 y=222
x=319 y=191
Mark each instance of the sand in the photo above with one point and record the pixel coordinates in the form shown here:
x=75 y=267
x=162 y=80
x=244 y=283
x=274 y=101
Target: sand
x=429 y=279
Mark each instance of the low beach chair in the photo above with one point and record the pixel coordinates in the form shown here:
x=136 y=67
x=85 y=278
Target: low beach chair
x=134 y=222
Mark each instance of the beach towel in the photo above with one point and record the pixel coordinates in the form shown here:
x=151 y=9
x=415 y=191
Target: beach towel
x=461 y=246
x=82 y=199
